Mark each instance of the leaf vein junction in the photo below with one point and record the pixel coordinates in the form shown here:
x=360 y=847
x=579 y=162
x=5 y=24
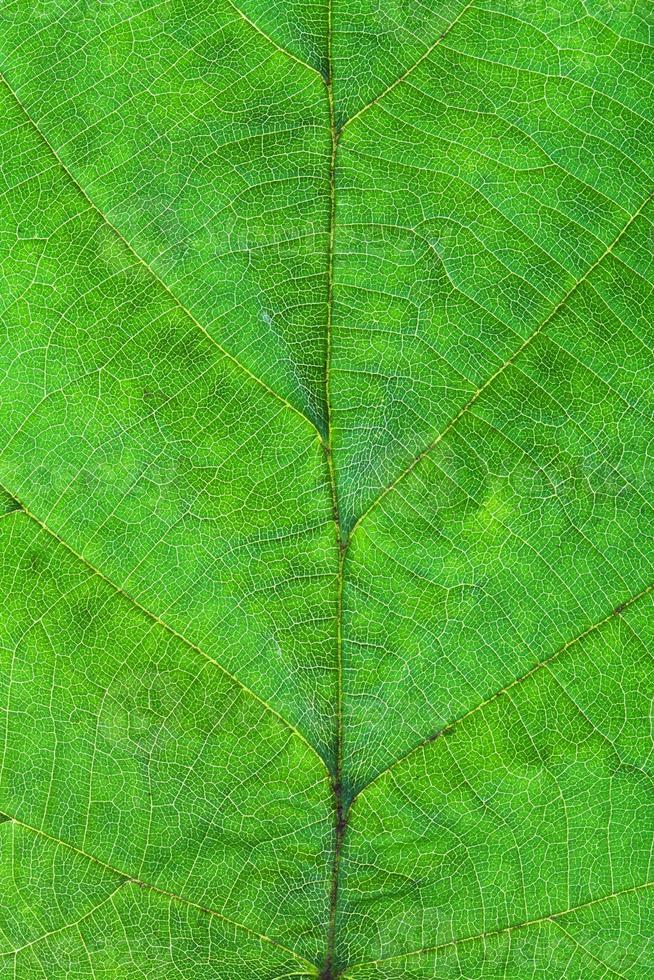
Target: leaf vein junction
x=130 y=879
x=550 y=917
x=169 y=629
x=506 y=364
x=150 y=270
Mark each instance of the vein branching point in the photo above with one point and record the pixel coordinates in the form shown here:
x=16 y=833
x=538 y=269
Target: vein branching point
x=326 y=497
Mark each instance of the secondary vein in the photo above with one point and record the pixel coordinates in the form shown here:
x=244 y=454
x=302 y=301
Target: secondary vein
x=278 y=47
x=615 y=613
x=550 y=917
x=130 y=879
x=503 y=367
x=22 y=508
x=150 y=270
x=409 y=71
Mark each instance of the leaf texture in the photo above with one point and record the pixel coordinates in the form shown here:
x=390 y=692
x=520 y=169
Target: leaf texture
x=327 y=510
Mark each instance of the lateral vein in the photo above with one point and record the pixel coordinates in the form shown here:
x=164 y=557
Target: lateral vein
x=489 y=381
x=164 y=625
x=284 y=51
x=150 y=270
x=173 y=896
x=409 y=71
x=510 y=928
x=618 y=611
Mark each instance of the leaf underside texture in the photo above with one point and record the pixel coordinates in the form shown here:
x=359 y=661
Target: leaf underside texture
x=327 y=507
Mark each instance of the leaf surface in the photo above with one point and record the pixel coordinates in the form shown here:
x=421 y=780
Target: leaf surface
x=327 y=513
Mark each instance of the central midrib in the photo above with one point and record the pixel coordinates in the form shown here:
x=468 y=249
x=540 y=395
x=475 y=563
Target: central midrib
x=340 y=809
x=342 y=794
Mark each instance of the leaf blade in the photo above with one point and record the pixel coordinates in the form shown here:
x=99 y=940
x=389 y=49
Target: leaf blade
x=328 y=398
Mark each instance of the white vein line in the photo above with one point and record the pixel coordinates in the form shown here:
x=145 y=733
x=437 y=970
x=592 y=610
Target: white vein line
x=586 y=950
x=169 y=629
x=509 y=361
x=66 y=925
x=153 y=274
x=409 y=71
x=550 y=917
x=130 y=879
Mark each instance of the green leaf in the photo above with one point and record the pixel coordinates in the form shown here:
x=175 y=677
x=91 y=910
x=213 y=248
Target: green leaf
x=327 y=508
